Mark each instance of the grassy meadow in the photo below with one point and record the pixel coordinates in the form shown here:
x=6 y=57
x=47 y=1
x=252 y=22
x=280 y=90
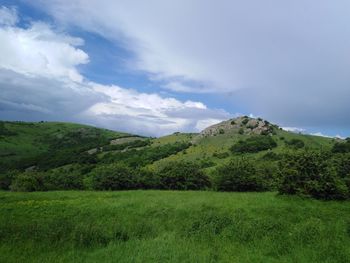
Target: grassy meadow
x=171 y=226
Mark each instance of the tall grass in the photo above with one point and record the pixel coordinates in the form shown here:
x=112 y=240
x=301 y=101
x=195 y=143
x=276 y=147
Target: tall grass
x=171 y=226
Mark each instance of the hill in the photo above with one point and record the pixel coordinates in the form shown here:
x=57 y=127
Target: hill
x=213 y=145
x=52 y=144
x=26 y=144
x=241 y=154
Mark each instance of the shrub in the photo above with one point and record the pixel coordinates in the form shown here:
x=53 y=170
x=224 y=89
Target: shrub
x=64 y=178
x=113 y=177
x=148 y=179
x=27 y=182
x=254 y=144
x=221 y=155
x=341 y=147
x=342 y=166
x=271 y=156
x=6 y=179
x=239 y=175
x=241 y=131
x=221 y=131
x=233 y=122
x=245 y=121
x=183 y=176
x=252 y=126
x=295 y=143
x=311 y=174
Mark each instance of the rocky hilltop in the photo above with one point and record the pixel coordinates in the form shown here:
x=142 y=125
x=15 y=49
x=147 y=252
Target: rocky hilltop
x=240 y=125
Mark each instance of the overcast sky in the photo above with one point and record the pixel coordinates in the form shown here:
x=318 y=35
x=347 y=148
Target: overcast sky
x=154 y=67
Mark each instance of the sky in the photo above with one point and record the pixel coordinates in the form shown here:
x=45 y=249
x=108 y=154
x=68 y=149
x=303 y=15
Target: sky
x=158 y=66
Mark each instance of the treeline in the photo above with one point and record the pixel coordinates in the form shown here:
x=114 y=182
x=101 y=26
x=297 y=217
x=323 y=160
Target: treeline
x=318 y=174
x=322 y=175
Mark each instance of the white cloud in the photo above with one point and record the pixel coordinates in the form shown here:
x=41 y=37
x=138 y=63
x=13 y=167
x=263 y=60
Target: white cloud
x=293 y=129
x=39 y=51
x=8 y=16
x=327 y=136
x=202 y=124
x=149 y=113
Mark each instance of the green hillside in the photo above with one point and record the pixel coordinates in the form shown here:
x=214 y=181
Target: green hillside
x=46 y=144
x=24 y=144
x=214 y=143
x=241 y=154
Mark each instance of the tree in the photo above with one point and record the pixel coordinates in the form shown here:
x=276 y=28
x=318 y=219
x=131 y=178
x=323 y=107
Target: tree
x=113 y=177
x=312 y=174
x=239 y=175
x=254 y=144
x=183 y=176
x=27 y=182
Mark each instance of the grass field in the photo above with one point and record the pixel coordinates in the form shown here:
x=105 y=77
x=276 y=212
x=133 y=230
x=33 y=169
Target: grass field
x=171 y=226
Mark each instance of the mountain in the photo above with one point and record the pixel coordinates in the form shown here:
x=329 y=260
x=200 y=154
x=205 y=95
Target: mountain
x=47 y=145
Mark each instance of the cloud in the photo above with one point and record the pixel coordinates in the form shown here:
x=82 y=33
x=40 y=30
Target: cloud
x=179 y=86
x=148 y=113
x=286 y=61
x=39 y=51
x=293 y=129
x=201 y=125
x=40 y=80
x=327 y=136
x=8 y=16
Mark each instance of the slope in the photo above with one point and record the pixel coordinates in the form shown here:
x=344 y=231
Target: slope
x=213 y=145
x=24 y=144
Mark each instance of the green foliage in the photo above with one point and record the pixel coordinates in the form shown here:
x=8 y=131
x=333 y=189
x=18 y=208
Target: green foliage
x=182 y=176
x=113 y=177
x=139 y=158
x=271 y=156
x=241 y=131
x=254 y=144
x=221 y=131
x=239 y=175
x=66 y=178
x=295 y=143
x=6 y=179
x=27 y=182
x=341 y=147
x=127 y=145
x=148 y=179
x=221 y=155
x=312 y=174
x=48 y=144
x=206 y=162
